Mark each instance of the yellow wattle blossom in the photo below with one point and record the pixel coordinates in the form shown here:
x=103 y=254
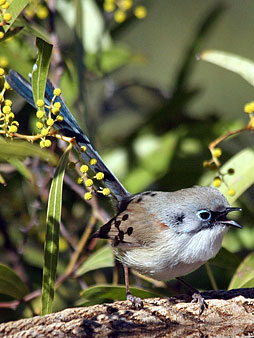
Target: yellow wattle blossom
x=88 y=196
x=89 y=182
x=217 y=152
x=231 y=192
x=93 y=161
x=119 y=16
x=106 y=191
x=140 y=12
x=57 y=92
x=217 y=182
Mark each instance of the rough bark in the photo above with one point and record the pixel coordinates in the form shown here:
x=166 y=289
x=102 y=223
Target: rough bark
x=229 y=314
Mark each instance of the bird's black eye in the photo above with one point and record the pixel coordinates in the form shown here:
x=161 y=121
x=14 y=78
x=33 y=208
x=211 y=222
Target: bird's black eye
x=204 y=215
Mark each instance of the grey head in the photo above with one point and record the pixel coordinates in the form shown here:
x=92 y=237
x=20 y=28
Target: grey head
x=195 y=209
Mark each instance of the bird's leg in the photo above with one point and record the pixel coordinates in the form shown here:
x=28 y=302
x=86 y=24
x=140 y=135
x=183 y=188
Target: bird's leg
x=135 y=301
x=196 y=295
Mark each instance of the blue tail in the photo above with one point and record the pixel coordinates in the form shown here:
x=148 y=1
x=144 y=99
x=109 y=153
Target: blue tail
x=69 y=127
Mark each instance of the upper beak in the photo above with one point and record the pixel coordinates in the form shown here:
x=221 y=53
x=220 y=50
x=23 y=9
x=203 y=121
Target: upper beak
x=229 y=221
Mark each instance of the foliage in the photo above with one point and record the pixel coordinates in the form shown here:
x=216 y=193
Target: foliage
x=147 y=135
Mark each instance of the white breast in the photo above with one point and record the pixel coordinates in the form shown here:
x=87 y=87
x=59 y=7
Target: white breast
x=174 y=256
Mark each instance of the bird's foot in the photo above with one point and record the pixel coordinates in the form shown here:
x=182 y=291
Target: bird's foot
x=197 y=298
x=136 y=302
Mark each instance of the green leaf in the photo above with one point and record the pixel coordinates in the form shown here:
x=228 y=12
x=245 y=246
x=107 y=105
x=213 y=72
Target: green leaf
x=243 y=178
x=22 y=168
x=237 y=64
x=31 y=28
x=103 y=293
x=226 y=259
x=16 y=7
x=244 y=273
x=22 y=149
x=51 y=247
x=11 y=284
x=40 y=73
x=249 y=284
x=102 y=258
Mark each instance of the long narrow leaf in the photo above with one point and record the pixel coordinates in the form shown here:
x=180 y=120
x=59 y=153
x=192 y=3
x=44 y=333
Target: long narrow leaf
x=51 y=247
x=102 y=258
x=11 y=284
x=237 y=64
x=22 y=149
x=40 y=72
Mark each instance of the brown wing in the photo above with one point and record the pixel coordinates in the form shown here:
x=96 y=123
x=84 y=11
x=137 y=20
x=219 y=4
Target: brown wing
x=134 y=226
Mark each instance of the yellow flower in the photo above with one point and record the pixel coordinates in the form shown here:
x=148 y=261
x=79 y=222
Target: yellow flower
x=99 y=176
x=50 y=122
x=6 y=109
x=93 y=161
x=2 y=72
x=119 y=16
x=5 y=6
x=47 y=143
x=217 y=182
x=3 y=60
x=140 y=12
x=39 y=125
x=57 y=91
x=84 y=168
x=40 y=103
x=89 y=182
x=45 y=132
x=106 y=191
x=7 y=16
x=6 y=85
x=42 y=143
x=126 y=4
x=57 y=104
x=13 y=129
x=88 y=196
x=59 y=118
x=231 y=192
x=79 y=180
x=1 y=35
x=42 y=12
x=8 y=102
x=83 y=148
x=109 y=6
x=40 y=114
x=217 y=152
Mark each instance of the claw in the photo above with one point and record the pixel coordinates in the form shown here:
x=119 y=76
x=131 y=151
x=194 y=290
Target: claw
x=136 y=302
x=197 y=298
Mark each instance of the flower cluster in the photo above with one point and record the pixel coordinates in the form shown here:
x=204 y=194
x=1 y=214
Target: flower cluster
x=5 y=16
x=89 y=180
x=122 y=8
x=218 y=180
x=45 y=123
x=8 y=124
x=249 y=109
x=36 y=8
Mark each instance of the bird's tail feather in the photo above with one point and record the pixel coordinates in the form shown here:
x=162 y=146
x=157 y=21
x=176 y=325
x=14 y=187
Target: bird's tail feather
x=69 y=127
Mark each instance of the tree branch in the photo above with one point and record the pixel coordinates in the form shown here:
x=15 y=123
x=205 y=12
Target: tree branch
x=230 y=314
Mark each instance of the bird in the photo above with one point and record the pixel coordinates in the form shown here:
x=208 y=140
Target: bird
x=160 y=234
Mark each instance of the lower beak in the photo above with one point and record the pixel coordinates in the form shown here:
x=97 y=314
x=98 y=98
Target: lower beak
x=231 y=222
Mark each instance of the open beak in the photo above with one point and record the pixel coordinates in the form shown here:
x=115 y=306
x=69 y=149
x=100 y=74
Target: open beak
x=223 y=219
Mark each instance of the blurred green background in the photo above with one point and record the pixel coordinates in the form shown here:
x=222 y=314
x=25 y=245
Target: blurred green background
x=151 y=110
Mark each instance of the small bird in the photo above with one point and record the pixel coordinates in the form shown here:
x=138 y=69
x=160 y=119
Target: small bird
x=163 y=235
x=166 y=235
